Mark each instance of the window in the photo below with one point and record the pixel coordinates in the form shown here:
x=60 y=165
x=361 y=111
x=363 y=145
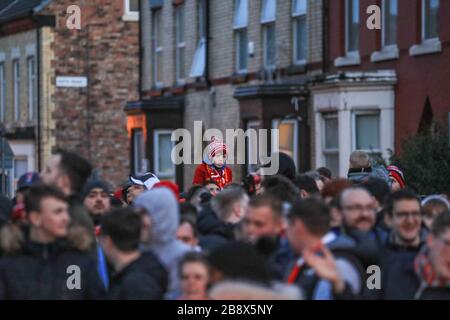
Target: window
x=240 y=27
x=268 y=17
x=139 y=160
x=131 y=7
x=331 y=142
x=20 y=167
x=16 y=90
x=32 y=89
x=288 y=137
x=157 y=48
x=390 y=14
x=180 y=43
x=199 y=63
x=299 y=12
x=164 y=167
x=2 y=92
x=351 y=26
x=430 y=10
x=366 y=131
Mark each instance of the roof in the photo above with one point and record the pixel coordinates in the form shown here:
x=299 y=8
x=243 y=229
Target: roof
x=14 y=9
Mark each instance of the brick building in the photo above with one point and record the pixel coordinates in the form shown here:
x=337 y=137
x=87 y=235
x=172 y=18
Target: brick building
x=230 y=64
x=382 y=84
x=84 y=114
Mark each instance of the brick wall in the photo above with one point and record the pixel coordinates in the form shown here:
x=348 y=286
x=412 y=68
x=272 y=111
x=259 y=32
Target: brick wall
x=91 y=120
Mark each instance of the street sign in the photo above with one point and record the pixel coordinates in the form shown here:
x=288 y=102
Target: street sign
x=71 y=82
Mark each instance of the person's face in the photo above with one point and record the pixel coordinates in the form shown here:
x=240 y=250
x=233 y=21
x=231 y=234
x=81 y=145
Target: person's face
x=186 y=234
x=53 y=218
x=261 y=222
x=51 y=175
x=97 y=202
x=395 y=186
x=219 y=160
x=194 y=280
x=213 y=189
x=133 y=191
x=358 y=210
x=440 y=254
x=319 y=184
x=406 y=219
x=295 y=232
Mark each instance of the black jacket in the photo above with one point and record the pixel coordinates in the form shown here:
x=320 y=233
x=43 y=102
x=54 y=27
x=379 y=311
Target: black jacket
x=41 y=272
x=144 y=278
x=399 y=279
x=214 y=233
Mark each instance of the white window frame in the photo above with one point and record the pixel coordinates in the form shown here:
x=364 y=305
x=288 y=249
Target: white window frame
x=2 y=92
x=128 y=14
x=263 y=7
x=240 y=30
x=16 y=88
x=156 y=134
x=142 y=149
x=326 y=152
x=424 y=16
x=265 y=36
x=356 y=113
x=180 y=45
x=198 y=66
x=297 y=16
x=275 y=125
x=32 y=87
x=157 y=50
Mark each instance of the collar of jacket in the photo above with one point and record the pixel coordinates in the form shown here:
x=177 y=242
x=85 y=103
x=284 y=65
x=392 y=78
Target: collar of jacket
x=45 y=250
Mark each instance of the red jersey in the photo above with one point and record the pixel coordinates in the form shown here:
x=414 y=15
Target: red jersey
x=205 y=172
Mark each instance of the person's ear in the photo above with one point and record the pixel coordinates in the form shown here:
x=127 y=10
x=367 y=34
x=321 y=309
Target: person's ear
x=388 y=219
x=64 y=182
x=35 y=218
x=303 y=194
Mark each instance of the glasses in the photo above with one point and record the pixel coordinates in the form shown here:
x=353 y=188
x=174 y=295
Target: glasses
x=403 y=215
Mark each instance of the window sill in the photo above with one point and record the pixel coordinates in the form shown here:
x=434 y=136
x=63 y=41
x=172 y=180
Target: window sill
x=179 y=88
x=130 y=17
x=294 y=69
x=156 y=92
x=348 y=60
x=385 y=54
x=426 y=47
x=239 y=77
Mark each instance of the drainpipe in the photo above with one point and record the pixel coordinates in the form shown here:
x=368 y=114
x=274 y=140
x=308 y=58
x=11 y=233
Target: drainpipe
x=325 y=36
x=38 y=116
x=207 y=33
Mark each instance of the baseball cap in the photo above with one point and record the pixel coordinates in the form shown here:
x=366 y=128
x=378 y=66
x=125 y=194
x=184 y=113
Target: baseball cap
x=148 y=180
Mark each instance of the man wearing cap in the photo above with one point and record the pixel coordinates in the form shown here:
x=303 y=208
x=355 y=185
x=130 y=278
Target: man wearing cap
x=139 y=184
x=96 y=199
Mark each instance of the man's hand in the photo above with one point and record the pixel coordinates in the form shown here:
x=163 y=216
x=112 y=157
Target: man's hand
x=322 y=261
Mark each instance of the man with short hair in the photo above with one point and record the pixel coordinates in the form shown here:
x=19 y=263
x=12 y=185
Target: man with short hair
x=217 y=223
x=136 y=275
x=36 y=266
x=263 y=218
x=307 y=185
x=403 y=244
x=317 y=271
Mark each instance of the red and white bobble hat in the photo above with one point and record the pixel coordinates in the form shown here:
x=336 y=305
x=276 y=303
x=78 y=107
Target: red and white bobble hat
x=215 y=147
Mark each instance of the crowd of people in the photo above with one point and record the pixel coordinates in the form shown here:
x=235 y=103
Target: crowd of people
x=288 y=236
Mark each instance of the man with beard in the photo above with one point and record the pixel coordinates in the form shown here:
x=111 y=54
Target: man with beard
x=358 y=211
x=96 y=199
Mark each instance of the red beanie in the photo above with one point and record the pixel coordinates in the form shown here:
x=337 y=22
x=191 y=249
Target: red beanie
x=396 y=174
x=216 y=146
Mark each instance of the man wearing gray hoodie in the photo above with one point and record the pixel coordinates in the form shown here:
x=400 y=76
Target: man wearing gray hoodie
x=160 y=224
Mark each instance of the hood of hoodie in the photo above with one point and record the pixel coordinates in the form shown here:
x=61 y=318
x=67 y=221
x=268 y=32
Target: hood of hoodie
x=162 y=207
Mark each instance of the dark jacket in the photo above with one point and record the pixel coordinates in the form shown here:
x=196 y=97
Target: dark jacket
x=399 y=279
x=214 y=233
x=43 y=271
x=144 y=278
x=435 y=294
